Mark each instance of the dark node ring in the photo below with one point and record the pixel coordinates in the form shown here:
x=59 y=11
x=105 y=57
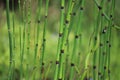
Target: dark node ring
x=108 y=71
x=102 y=14
x=109 y=45
x=104 y=53
x=81 y=8
x=61 y=51
x=36 y=44
x=72 y=64
x=60 y=34
x=66 y=21
x=95 y=38
x=76 y=36
x=99 y=73
x=105 y=67
x=46 y=16
x=44 y=40
x=111 y=16
x=94 y=67
x=57 y=62
x=74 y=13
x=107 y=41
x=62 y=7
x=101 y=44
x=99 y=7
x=43 y=63
x=38 y=21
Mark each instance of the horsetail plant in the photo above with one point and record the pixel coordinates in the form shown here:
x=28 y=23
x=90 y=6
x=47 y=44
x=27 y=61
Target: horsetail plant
x=76 y=40
x=24 y=39
x=10 y=41
x=44 y=39
x=68 y=62
x=38 y=29
x=60 y=39
x=64 y=38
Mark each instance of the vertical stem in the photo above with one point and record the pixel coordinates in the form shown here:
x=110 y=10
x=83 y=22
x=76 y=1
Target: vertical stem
x=60 y=38
x=44 y=39
x=10 y=41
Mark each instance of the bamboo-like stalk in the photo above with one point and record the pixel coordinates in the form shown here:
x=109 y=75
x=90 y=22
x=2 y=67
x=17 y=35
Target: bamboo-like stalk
x=44 y=39
x=38 y=29
x=76 y=40
x=37 y=33
x=111 y=13
x=14 y=40
x=28 y=32
x=60 y=38
x=10 y=41
x=29 y=27
x=24 y=39
x=20 y=33
x=64 y=38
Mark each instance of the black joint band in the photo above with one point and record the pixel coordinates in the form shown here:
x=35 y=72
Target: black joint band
x=104 y=31
x=60 y=34
x=44 y=40
x=66 y=21
x=105 y=67
x=46 y=16
x=99 y=73
x=95 y=38
x=36 y=44
x=76 y=36
x=111 y=16
x=62 y=7
x=104 y=53
x=108 y=71
x=38 y=21
x=61 y=51
x=57 y=62
x=74 y=14
x=60 y=79
x=94 y=67
x=102 y=14
x=81 y=8
x=99 y=7
x=107 y=42
x=101 y=44
x=43 y=63
x=72 y=64
x=109 y=45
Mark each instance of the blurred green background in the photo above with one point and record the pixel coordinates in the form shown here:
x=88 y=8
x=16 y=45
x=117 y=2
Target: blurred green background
x=52 y=35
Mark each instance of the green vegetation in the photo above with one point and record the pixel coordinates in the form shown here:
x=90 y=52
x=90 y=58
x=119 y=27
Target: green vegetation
x=60 y=40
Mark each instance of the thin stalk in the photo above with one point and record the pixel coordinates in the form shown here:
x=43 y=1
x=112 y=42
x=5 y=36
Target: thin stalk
x=14 y=45
x=64 y=38
x=10 y=41
x=44 y=38
x=60 y=39
x=76 y=40
x=20 y=33
x=38 y=29
x=29 y=27
x=23 y=43
x=28 y=36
